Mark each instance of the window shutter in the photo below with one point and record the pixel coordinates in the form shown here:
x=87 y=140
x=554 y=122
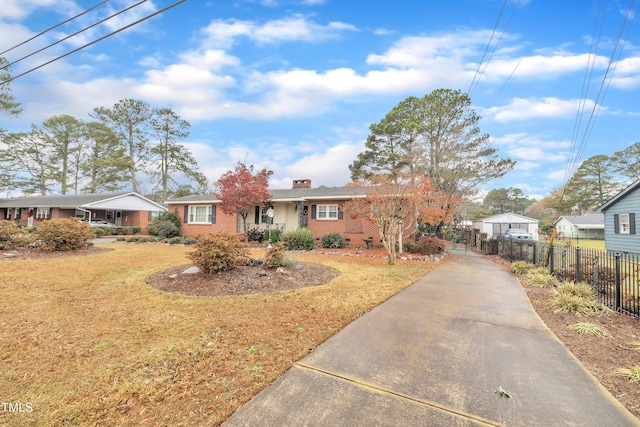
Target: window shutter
x=212 y=214
x=616 y=223
x=186 y=215
x=257 y=214
x=340 y=215
x=313 y=211
x=49 y=212
x=149 y=216
x=18 y=213
x=632 y=223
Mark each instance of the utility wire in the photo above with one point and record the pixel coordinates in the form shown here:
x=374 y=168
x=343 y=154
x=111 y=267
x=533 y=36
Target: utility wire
x=55 y=26
x=94 y=42
x=486 y=49
x=74 y=34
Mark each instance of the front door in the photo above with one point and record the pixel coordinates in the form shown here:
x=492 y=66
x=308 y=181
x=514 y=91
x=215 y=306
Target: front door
x=118 y=218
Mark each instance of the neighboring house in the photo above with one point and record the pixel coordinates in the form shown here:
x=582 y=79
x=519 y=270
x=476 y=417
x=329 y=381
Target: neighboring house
x=620 y=220
x=322 y=210
x=125 y=209
x=498 y=224
x=587 y=226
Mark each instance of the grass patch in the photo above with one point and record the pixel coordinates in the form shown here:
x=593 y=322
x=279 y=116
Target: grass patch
x=635 y=345
x=632 y=374
x=88 y=342
x=589 y=329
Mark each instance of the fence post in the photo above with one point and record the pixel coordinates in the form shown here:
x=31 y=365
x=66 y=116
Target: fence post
x=578 y=275
x=551 y=257
x=617 y=296
x=535 y=248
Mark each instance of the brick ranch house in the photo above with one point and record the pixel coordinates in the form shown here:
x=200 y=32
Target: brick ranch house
x=322 y=210
x=122 y=209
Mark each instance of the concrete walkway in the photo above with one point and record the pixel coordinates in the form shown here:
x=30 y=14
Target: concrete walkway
x=434 y=355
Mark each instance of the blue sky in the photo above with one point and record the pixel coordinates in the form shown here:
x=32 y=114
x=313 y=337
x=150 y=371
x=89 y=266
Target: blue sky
x=293 y=85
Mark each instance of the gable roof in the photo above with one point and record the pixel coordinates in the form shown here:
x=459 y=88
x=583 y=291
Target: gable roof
x=289 y=195
x=508 y=217
x=109 y=201
x=615 y=199
x=586 y=221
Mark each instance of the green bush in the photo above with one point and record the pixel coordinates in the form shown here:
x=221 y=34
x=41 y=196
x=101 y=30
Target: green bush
x=99 y=231
x=219 y=252
x=177 y=240
x=189 y=241
x=164 y=229
x=169 y=216
x=275 y=235
x=65 y=234
x=134 y=239
x=147 y=240
x=332 y=240
x=136 y=230
x=11 y=236
x=301 y=239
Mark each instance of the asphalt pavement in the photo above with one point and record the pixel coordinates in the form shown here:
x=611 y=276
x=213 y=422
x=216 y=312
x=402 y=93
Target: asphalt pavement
x=460 y=347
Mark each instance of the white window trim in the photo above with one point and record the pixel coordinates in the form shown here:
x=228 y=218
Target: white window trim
x=42 y=213
x=625 y=227
x=325 y=215
x=193 y=210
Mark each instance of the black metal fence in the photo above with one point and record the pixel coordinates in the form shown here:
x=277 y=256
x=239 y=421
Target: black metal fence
x=615 y=276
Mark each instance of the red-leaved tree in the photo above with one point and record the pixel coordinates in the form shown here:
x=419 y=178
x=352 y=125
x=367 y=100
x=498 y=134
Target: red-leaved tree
x=396 y=206
x=241 y=189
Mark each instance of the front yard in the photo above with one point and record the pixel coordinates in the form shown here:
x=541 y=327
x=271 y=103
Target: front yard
x=86 y=341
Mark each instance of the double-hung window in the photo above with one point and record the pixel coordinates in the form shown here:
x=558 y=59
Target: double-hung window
x=201 y=214
x=327 y=212
x=42 y=213
x=624 y=224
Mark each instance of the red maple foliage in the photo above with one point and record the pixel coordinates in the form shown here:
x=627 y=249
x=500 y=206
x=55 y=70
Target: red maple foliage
x=241 y=189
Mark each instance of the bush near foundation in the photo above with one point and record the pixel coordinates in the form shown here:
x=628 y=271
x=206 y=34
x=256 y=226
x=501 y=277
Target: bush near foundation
x=332 y=240
x=219 y=252
x=65 y=234
x=301 y=239
x=425 y=245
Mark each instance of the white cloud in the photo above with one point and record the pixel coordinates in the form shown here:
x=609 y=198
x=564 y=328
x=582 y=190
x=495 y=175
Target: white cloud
x=529 y=108
x=223 y=33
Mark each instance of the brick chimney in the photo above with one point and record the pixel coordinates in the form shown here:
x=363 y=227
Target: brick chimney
x=301 y=183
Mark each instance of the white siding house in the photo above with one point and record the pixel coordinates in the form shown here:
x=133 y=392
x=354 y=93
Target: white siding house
x=621 y=221
x=498 y=224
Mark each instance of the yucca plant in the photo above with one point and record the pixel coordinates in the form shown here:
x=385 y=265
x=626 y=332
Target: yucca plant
x=580 y=289
x=521 y=267
x=632 y=374
x=589 y=329
x=578 y=298
x=540 y=279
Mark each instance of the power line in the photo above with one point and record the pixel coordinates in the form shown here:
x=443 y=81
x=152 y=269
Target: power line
x=74 y=34
x=55 y=26
x=93 y=42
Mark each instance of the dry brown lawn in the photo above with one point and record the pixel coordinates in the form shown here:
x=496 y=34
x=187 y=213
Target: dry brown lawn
x=84 y=340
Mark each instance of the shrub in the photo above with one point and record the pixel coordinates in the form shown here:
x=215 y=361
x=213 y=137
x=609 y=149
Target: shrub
x=540 y=278
x=275 y=256
x=99 y=231
x=219 y=252
x=134 y=239
x=147 y=240
x=274 y=234
x=576 y=298
x=136 y=230
x=164 y=229
x=255 y=235
x=65 y=234
x=521 y=267
x=189 y=241
x=589 y=329
x=177 y=240
x=11 y=236
x=168 y=216
x=425 y=245
x=301 y=239
x=332 y=240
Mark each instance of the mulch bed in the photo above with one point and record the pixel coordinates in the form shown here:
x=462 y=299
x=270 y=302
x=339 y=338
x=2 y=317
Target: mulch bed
x=242 y=280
